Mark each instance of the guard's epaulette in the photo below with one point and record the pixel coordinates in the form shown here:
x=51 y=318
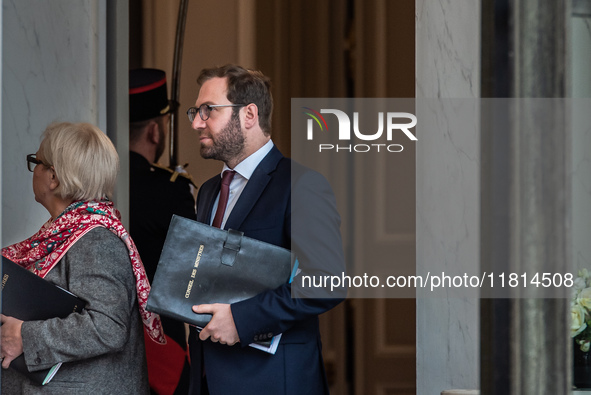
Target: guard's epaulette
x=175 y=173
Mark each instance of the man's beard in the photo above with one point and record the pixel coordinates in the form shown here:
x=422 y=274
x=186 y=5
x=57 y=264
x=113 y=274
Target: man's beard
x=228 y=144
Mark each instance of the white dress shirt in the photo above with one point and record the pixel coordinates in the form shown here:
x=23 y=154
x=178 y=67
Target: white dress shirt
x=243 y=171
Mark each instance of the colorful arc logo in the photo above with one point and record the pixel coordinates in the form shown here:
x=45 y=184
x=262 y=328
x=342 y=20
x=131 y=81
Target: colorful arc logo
x=315 y=116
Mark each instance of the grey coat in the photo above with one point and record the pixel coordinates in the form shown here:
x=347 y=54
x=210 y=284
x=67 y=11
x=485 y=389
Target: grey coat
x=102 y=349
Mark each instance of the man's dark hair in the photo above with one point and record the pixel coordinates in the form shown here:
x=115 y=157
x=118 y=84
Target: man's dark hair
x=245 y=86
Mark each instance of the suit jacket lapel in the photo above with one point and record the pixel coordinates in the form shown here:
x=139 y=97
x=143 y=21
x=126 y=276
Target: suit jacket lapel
x=254 y=188
x=205 y=204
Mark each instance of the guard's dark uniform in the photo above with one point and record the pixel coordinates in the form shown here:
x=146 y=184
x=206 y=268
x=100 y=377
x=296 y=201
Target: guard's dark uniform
x=154 y=198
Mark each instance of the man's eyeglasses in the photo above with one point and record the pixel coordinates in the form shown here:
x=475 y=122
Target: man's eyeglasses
x=32 y=161
x=204 y=110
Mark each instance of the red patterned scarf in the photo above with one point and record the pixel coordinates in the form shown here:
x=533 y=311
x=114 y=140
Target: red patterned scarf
x=42 y=251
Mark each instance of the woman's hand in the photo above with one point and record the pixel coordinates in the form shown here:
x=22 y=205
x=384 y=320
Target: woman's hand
x=11 y=342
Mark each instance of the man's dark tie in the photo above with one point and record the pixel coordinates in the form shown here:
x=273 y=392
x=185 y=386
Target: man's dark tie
x=224 y=192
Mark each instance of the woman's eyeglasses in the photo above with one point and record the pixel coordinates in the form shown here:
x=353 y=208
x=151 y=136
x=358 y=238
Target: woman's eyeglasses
x=32 y=161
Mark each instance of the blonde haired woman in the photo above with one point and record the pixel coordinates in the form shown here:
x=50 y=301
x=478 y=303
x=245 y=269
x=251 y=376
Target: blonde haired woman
x=83 y=248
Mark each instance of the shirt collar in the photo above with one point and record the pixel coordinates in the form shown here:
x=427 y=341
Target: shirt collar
x=248 y=165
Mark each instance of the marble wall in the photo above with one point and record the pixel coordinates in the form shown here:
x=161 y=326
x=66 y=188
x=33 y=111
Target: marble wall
x=448 y=53
x=581 y=157
x=447 y=66
x=53 y=55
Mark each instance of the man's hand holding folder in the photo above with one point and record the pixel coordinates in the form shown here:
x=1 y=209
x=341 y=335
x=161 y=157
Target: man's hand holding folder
x=221 y=328
x=203 y=270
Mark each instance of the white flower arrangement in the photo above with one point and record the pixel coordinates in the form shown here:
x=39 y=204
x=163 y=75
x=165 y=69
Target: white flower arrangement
x=580 y=327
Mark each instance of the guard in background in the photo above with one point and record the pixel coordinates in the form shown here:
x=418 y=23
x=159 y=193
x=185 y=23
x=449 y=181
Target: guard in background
x=156 y=193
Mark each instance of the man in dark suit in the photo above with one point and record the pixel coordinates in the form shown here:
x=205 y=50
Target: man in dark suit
x=156 y=193
x=277 y=201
